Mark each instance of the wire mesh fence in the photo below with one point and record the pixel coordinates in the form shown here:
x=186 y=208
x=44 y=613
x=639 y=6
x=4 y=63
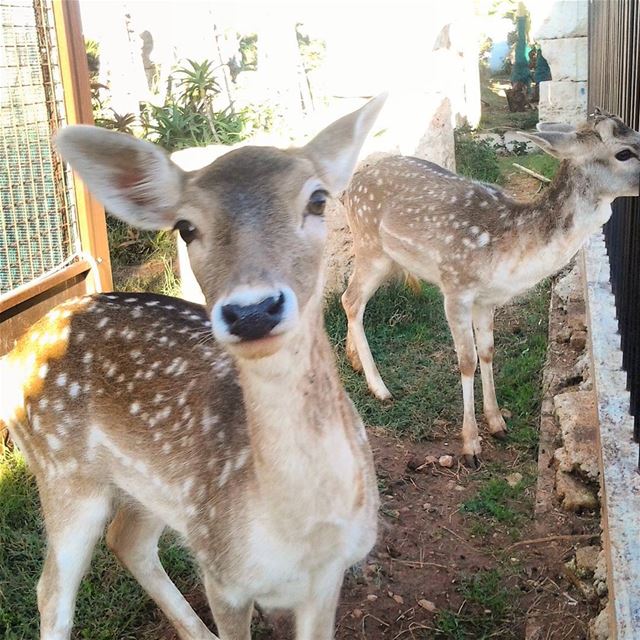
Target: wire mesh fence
x=614 y=85
x=37 y=218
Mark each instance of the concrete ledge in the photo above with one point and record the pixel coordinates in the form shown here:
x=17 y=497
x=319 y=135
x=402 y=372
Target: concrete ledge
x=620 y=481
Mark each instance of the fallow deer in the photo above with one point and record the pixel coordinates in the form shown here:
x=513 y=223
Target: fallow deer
x=477 y=244
x=227 y=423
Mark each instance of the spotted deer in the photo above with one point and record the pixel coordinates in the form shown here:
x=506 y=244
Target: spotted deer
x=477 y=244
x=226 y=422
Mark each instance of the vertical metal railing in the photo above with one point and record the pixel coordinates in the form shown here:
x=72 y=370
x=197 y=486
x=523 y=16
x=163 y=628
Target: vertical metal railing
x=614 y=85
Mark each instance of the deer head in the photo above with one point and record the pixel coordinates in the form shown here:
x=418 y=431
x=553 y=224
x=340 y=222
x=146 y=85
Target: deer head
x=604 y=148
x=237 y=216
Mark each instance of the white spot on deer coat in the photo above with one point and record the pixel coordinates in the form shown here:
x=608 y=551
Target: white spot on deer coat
x=224 y=475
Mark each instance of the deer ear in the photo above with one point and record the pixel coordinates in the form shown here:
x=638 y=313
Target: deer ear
x=555 y=143
x=555 y=126
x=134 y=180
x=335 y=150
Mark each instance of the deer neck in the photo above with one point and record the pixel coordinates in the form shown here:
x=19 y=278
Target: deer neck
x=298 y=414
x=572 y=203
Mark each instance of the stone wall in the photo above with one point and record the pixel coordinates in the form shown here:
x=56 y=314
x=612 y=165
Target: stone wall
x=561 y=28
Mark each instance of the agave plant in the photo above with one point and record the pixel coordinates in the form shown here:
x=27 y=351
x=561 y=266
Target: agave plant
x=197 y=84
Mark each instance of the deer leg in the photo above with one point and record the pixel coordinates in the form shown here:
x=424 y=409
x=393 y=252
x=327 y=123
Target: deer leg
x=364 y=282
x=459 y=316
x=133 y=537
x=232 y=622
x=73 y=528
x=315 y=618
x=483 y=325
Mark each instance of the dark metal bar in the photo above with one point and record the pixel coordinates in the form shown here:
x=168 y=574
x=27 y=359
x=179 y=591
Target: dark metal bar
x=614 y=84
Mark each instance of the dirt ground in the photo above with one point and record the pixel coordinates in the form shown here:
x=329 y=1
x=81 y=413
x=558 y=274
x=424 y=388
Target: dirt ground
x=416 y=582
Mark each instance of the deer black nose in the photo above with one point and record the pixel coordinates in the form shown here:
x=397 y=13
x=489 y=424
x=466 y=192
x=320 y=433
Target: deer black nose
x=253 y=321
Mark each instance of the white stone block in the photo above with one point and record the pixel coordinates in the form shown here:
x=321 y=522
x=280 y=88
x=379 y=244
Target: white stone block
x=563 y=102
x=559 y=18
x=568 y=58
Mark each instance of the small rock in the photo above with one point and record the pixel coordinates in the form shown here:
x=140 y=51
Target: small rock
x=578 y=340
x=586 y=588
x=514 y=479
x=430 y=460
x=599 y=626
x=427 y=605
x=372 y=597
x=357 y=613
x=600 y=576
x=578 y=420
x=576 y=495
x=445 y=461
x=587 y=560
x=398 y=599
x=426 y=506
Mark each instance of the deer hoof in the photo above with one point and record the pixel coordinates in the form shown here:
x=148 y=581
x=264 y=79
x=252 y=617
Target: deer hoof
x=500 y=435
x=471 y=461
x=383 y=394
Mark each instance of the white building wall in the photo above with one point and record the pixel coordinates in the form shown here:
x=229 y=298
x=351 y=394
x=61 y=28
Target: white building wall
x=560 y=27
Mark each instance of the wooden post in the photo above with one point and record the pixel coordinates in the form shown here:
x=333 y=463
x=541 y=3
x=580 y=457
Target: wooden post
x=77 y=101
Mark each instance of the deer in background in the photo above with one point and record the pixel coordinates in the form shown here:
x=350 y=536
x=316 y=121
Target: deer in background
x=228 y=422
x=477 y=244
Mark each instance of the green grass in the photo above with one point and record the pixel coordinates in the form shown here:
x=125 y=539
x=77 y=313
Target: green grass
x=541 y=163
x=165 y=282
x=131 y=246
x=110 y=602
x=411 y=344
x=497 y=505
x=486 y=612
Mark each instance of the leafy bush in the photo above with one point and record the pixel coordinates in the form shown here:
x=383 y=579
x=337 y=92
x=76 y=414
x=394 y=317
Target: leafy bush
x=475 y=158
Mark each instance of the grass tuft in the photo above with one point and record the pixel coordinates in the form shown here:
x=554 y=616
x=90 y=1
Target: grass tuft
x=486 y=611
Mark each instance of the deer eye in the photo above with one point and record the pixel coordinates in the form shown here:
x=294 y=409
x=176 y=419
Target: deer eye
x=625 y=154
x=186 y=230
x=317 y=202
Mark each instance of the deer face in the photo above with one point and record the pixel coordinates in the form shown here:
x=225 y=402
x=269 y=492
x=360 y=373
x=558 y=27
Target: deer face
x=255 y=244
x=252 y=220
x=605 y=149
x=618 y=152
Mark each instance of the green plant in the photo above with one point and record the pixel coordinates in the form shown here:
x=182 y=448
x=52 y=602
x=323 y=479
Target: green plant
x=197 y=85
x=249 y=52
x=519 y=148
x=475 y=157
x=116 y=122
x=312 y=50
x=176 y=126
